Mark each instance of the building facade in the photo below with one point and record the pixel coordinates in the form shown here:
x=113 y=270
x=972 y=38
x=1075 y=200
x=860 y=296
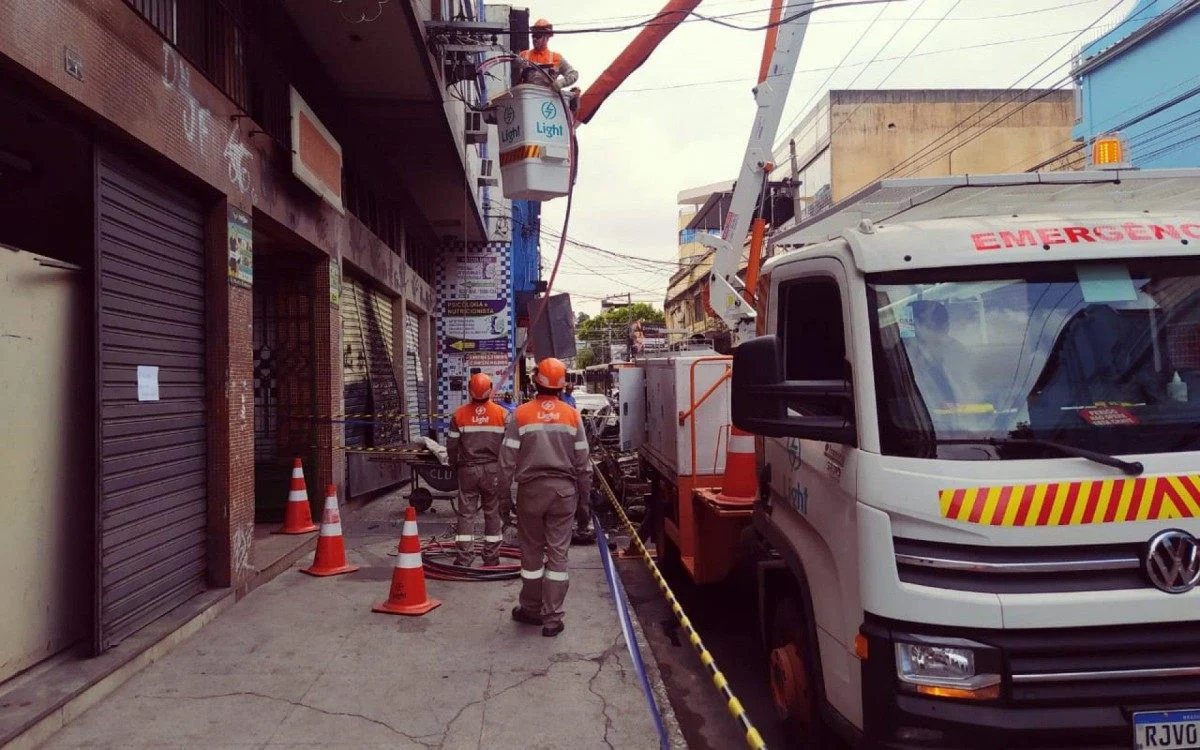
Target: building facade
x=853 y=138
x=1138 y=80
x=221 y=203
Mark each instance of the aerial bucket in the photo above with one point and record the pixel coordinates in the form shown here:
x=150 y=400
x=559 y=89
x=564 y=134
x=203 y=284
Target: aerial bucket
x=535 y=143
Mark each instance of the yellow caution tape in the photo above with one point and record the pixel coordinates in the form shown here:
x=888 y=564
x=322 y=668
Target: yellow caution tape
x=753 y=738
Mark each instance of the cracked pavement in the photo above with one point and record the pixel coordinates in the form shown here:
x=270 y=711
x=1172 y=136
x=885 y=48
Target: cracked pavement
x=304 y=662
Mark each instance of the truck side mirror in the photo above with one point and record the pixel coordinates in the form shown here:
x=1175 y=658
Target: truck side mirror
x=766 y=404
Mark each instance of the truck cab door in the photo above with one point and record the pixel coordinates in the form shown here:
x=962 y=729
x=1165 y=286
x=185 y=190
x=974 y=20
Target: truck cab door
x=813 y=487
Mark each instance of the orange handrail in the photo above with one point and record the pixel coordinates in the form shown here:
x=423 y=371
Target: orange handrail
x=692 y=399
x=683 y=415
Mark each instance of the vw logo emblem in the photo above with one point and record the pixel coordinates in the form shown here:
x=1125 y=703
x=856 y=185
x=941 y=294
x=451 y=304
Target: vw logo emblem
x=549 y=110
x=1173 y=561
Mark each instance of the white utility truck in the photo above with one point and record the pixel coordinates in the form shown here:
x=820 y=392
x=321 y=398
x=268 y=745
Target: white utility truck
x=977 y=405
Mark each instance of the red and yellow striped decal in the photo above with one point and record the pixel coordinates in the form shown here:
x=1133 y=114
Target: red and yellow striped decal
x=512 y=156
x=1073 y=503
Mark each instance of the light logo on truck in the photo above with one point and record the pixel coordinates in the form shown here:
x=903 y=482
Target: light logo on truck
x=1073 y=503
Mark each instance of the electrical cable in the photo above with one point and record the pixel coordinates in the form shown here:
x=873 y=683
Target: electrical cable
x=434 y=552
x=719 y=20
x=958 y=128
x=946 y=50
x=574 y=172
x=819 y=91
x=1074 y=147
x=896 y=67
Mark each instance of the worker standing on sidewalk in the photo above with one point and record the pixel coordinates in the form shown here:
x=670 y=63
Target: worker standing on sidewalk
x=545 y=451
x=476 y=430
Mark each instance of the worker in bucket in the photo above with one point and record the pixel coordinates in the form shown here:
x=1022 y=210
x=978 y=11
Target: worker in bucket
x=545 y=451
x=560 y=72
x=476 y=431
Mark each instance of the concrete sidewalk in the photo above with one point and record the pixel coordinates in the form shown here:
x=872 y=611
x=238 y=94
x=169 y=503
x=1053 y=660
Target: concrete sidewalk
x=303 y=661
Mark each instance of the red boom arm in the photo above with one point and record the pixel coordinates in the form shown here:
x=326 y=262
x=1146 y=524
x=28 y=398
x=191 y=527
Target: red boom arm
x=634 y=55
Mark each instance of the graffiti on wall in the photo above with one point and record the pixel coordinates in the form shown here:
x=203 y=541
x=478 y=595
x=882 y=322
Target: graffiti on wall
x=212 y=137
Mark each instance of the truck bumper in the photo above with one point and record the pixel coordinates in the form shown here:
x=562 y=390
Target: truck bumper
x=1060 y=713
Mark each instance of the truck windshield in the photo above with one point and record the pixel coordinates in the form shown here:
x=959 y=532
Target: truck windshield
x=1103 y=356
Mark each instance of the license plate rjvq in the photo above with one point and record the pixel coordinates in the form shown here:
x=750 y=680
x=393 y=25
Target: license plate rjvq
x=1167 y=730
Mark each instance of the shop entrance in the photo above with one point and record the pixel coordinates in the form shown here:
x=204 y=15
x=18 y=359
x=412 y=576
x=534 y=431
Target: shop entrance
x=285 y=398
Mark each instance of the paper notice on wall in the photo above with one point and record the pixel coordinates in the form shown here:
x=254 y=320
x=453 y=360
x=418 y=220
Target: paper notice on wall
x=147 y=383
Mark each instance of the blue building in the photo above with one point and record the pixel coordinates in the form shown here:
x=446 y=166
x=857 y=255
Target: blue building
x=1142 y=80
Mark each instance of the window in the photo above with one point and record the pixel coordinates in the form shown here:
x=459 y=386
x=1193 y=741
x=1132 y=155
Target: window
x=812 y=330
x=1099 y=355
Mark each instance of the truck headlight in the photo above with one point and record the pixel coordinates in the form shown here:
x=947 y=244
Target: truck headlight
x=948 y=671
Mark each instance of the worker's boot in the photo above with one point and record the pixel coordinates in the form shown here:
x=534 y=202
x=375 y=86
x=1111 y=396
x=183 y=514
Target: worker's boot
x=553 y=629
x=520 y=615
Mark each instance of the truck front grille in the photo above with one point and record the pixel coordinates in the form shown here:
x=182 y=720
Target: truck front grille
x=1133 y=665
x=1020 y=570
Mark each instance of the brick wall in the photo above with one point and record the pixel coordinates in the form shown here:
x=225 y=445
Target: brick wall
x=136 y=90
x=230 y=393
x=327 y=338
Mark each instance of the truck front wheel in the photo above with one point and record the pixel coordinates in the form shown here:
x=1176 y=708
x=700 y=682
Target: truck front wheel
x=794 y=690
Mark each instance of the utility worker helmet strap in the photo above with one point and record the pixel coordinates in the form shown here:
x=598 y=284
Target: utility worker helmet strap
x=480 y=387
x=551 y=373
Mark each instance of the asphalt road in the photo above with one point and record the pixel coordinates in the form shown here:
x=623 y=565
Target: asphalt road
x=724 y=616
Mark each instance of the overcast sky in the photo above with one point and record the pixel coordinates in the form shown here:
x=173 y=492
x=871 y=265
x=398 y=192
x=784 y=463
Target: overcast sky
x=683 y=119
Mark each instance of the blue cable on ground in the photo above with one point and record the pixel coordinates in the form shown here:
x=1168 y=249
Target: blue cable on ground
x=618 y=592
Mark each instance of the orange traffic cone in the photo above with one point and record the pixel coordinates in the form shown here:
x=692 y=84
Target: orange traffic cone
x=740 y=483
x=408 y=595
x=331 y=548
x=298 y=517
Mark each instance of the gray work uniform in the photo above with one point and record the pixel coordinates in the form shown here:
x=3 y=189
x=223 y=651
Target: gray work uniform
x=476 y=431
x=545 y=451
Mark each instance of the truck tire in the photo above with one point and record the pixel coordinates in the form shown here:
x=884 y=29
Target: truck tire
x=794 y=690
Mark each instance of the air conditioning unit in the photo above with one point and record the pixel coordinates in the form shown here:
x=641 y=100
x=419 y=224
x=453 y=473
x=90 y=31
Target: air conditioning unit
x=474 y=129
x=487 y=173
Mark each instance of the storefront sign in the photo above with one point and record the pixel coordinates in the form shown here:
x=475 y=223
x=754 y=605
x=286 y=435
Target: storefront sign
x=316 y=156
x=241 y=248
x=475 y=318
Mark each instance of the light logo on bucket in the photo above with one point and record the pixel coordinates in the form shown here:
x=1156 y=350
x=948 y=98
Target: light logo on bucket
x=549 y=111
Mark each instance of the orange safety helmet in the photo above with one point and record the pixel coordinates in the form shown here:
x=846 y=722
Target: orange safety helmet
x=542 y=26
x=551 y=373
x=480 y=387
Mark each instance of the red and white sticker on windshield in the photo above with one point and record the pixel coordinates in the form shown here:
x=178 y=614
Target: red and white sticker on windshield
x=1108 y=416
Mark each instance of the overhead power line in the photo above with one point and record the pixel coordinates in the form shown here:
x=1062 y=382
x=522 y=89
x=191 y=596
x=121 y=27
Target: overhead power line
x=952 y=139
x=587 y=22
x=802 y=71
x=720 y=19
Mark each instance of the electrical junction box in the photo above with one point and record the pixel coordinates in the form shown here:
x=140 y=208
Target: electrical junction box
x=535 y=143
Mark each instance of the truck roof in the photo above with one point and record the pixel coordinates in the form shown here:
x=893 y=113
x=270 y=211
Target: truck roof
x=963 y=220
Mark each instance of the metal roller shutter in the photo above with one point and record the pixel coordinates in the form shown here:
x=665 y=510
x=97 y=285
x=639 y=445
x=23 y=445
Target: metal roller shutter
x=416 y=397
x=369 y=384
x=356 y=385
x=385 y=391
x=152 y=515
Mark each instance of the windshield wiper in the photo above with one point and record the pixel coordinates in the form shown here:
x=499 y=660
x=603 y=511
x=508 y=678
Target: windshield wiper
x=1132 y=468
